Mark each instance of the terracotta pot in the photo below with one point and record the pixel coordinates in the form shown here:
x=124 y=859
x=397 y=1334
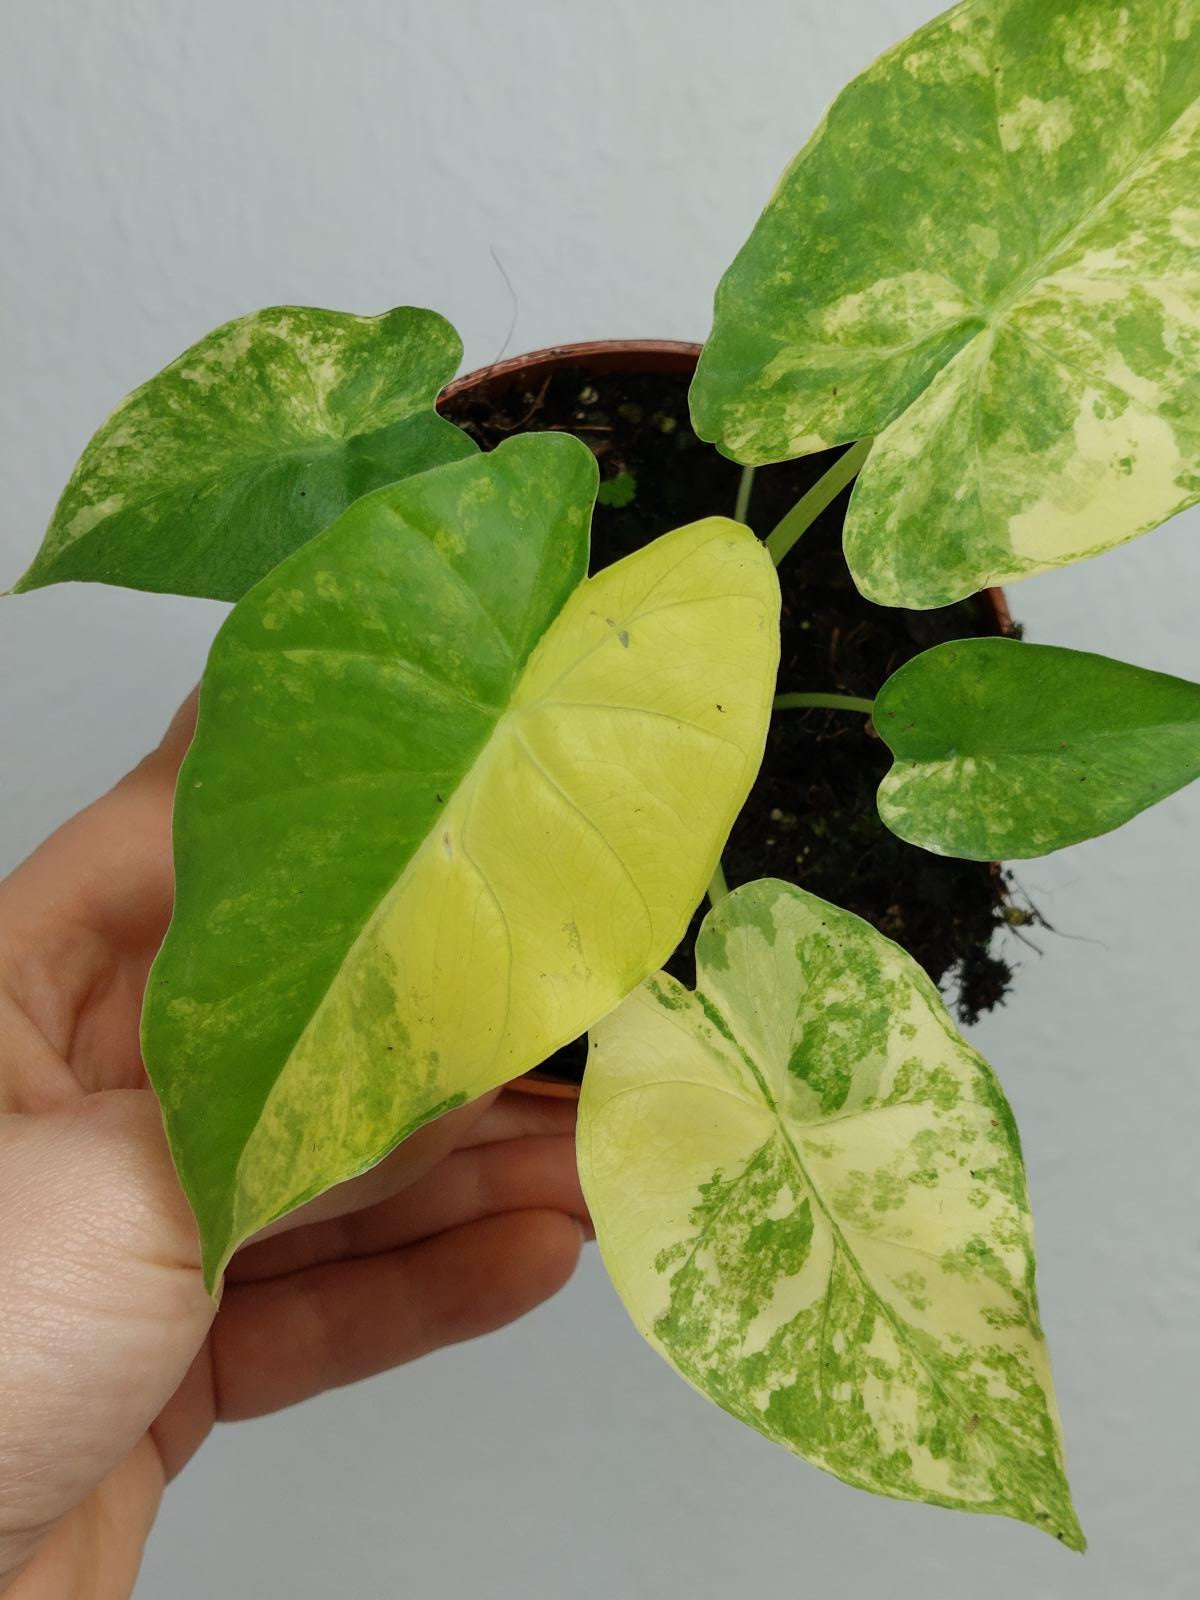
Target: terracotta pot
x=601 y=356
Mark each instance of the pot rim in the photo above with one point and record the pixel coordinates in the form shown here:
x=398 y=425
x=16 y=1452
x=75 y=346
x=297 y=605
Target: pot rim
x=606 y=355
x=624 y=355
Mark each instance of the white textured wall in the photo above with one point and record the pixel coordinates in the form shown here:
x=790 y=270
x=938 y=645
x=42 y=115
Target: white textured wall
x=166 y=165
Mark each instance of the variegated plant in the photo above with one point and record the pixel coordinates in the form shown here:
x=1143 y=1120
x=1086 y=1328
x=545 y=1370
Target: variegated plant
x=985 y=258
x=451 y=802
x=808 y=1189
x=249 y=444
x=454 y=768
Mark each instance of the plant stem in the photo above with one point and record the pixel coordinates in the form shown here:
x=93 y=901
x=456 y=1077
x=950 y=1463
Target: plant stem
x=717 y=888
x=803 y=513
x=830 y=702
x=742 y=503
x=810 y=506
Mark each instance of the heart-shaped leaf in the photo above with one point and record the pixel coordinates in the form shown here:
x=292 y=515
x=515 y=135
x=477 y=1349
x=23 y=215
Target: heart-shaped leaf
x=249 y=444
x=808 y=1190
x=1008 y=750
x=448 y=801
x=987 y=255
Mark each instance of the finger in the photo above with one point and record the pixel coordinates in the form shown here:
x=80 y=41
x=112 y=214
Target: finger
x=163 y=762
x=411 y=1159
x=283 y=1341
x=517 y=1116
x=105 y=876
x=533 y=1174
x=493 y=1118
x=537 y=1173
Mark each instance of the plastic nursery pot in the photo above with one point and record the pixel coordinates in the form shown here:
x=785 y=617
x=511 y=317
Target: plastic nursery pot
x=511 y=393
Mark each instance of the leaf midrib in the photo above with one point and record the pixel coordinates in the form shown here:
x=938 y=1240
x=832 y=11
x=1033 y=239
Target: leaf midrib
x=463 y=795
x=840 y=1243
x=995 y=314
x=1055 y=748
x=1043 y=266
x=249 y=467
x=252 y=467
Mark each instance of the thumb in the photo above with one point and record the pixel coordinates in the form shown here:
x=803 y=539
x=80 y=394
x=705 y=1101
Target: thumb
x=102 y=1306
x=109 y=866
x=163 y=762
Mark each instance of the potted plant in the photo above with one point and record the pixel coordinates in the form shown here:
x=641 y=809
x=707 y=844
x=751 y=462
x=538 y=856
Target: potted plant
x=452 y=802
x=811 y=813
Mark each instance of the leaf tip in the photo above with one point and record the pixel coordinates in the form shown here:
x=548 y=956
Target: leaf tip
x=215 y=1254
x=1063 y=1526
x=25 y=583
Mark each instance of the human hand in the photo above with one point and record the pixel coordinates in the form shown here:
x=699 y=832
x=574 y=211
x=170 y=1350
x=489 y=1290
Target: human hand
x=114 y=1361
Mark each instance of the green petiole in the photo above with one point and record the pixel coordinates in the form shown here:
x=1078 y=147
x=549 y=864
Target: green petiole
x=810 y=506
x=829 y=702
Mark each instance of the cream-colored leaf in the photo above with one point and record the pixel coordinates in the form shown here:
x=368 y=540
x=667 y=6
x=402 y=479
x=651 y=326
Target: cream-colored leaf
x=808 y=1190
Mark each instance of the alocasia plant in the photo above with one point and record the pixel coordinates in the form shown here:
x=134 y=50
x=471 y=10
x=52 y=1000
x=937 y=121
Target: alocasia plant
x=1007 y=749
x=472 y=761
x=811 y=1191
x=249 y=444
x=451 y=802
x=986 y=257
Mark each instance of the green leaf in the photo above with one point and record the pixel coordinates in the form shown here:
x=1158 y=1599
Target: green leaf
x=619 y=491
x=1009 y=750
x=249 y=444
x=808 y=1190
x=448 y=801
x=986 y=255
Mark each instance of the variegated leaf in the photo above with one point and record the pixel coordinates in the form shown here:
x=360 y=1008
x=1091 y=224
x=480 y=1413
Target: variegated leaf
x=448 y=801
x=986 y=255
x=249 y=444
x=809 y=1192
x=1007 y=750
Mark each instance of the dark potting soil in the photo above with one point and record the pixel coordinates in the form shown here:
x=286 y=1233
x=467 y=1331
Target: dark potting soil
x=811 y=815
